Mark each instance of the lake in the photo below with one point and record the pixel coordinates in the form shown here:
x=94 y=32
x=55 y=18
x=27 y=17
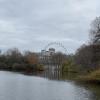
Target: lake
x=14 y=86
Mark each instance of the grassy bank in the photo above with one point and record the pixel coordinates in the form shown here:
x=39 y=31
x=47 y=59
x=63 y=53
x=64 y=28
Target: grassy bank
x=81 y=74
x=93 y=77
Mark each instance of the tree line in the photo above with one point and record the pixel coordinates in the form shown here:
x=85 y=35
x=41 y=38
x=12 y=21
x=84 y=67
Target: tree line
x=14 y=60
x=87 y=57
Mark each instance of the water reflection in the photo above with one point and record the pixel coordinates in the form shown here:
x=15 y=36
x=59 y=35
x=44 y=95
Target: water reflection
x=20 y=87
x=94 y=88
x=58 y=75
x=53 y=73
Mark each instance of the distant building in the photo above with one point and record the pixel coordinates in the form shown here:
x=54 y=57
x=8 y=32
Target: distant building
x=43 y=52
x=50 y=52
x=45 y=55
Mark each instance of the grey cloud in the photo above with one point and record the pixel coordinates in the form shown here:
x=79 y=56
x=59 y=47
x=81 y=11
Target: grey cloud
x=32 y=24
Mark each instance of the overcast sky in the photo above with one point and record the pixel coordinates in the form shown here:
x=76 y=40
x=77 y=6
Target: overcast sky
x=32 y=24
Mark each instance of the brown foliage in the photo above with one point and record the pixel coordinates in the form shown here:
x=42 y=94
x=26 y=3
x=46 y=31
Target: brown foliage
x=31 y=58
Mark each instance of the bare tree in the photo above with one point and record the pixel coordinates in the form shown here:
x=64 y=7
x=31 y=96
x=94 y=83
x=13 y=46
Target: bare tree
x=88 y=56
x=59 y=58
x=83 y=57
x=95 y=31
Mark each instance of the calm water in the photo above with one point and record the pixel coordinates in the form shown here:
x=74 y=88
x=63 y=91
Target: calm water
x=20 y=87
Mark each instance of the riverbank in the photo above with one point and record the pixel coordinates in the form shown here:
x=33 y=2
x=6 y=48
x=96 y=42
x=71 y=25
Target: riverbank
x=92 y=77
x=89 y=76
x=28 y=69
